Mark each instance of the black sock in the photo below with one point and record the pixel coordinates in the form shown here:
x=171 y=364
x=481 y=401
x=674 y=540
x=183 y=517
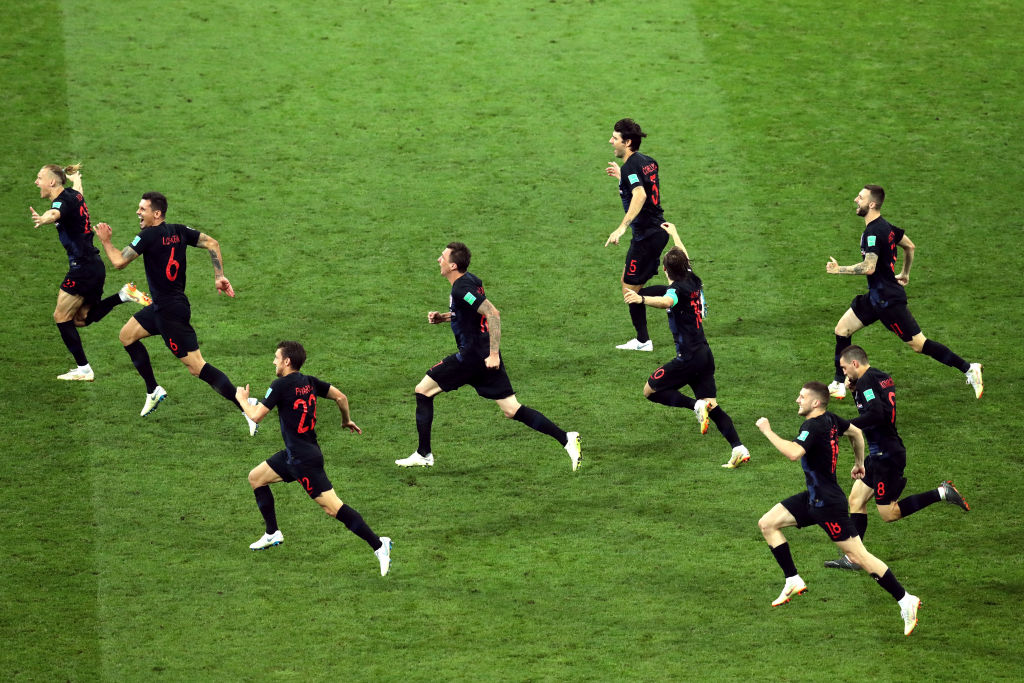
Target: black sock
x=638 y=314
x=889 y=583
x=673 y=398
x=912 y=504
x=69 y=333
x=841 y=344
x=860 y=523
x=424 y=420
x=944 y=355
x=536 y=420
x=100 y=310
x=725 y=426
x=265 y=502
x=354 y=521
x=140 y=359
x=785 y=559
x=220 y=383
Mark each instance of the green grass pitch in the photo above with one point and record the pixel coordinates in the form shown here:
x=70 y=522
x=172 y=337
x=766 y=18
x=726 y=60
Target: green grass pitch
x=333 y=150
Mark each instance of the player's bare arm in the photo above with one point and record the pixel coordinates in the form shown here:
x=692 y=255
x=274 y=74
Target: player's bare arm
x=257 y=412
x=118 y=259
x=636 y=203
x=488 y=310
x=856 y=437
x=865 y=267
x=434 y=317
x=790 y=449
x=631 y=297
x=213 y=246
x=670 y=228
x=342 y=401
x=49 y=216
x=903 y=277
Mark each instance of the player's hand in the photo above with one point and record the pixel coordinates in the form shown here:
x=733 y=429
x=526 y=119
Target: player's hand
x=857 y=472
x=37 y=220
x=614 y=237
x=434 y=317
x=492 y=361
x=352 y=427
x=223 y=285
x=832 y=266
x=670 y=228
x=903 y=279
x=849 y=384
x=764 y=425
x=613 y=170
x=103 y=231
x=631 y=297
x=242 y=394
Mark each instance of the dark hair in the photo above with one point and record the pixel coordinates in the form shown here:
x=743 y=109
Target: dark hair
x=676 y=263
x=157 y=202
x=293 y=351
x=61 y=172
x=460 y=255
x=820 y=392
x=877 y=194
x=630 y=132
x=854 y=352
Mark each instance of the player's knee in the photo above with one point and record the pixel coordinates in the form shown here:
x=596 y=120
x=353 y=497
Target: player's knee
x=254 y=480
x=765 y=525
x=889 y=515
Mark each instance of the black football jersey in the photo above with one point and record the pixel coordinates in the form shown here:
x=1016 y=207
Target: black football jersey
x=640 y=169
x=819 y=438
x=686 y=315
x=881 y=238
x=295 y=397
x=74 y=229
x=875 y=395
x=469 y=326
x=163 y=249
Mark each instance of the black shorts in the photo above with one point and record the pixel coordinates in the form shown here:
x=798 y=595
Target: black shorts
x=697 y=371
x=896 y=317
x=456 y=371
x=85 y=280
x=310 y=475
x=884 y=475
x=644 y=257
x=173 y=325
x=835 y=521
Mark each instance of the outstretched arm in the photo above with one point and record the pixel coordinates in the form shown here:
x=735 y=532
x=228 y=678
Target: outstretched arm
x=790 y=449
x=865 y=267
x=488 y=310
x=631 y=297
x=346 y=417
x=671 y=230
x=434 y=317
x=118 y=259
x=213 y=246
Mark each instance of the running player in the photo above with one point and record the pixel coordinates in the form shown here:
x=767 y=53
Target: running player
x=80 y=299
x=163 y=247
x=477 y=328
x=886 y=299
x=881 y=477
x=823 y=503
x=295 y=396
x=641 y=200
x=694 y=365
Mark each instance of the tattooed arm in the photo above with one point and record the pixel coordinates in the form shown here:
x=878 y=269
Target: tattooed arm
x=488 y=310
x=865 y=267
x=213 y=246
x=118 y=259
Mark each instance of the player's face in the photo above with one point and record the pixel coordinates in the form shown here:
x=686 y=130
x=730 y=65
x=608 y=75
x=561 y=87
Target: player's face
x=444 y=261
x=44 y=181
x=863 y=200
x=278 y=363
x=806 y=402
x=147 y=216
x=852 y=370
x=619 y=146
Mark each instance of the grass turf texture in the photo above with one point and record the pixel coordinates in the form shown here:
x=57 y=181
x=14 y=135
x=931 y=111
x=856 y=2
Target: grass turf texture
x=333 y=151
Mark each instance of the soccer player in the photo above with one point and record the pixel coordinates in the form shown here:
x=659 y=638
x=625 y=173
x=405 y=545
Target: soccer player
x=641 y=199
x=886 y=299
x=694 y=365
x=823 y=503
x=476 y=325
x=295 y=396
x=80 y=299
x=163 y=248
x=881 y=477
